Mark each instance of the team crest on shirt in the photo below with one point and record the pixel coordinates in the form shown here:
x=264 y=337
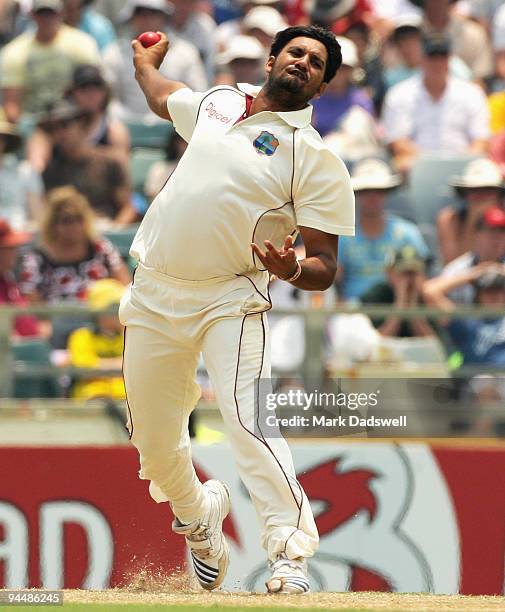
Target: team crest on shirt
x=266 y=143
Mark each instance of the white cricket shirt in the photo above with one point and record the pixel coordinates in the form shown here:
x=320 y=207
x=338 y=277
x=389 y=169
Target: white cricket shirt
x=239 y=183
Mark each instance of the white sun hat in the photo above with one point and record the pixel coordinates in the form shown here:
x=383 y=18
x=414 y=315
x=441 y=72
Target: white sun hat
x=478 y=173
x=373 y=174
x=264 y=18
x=349 y=51
x=241 y=47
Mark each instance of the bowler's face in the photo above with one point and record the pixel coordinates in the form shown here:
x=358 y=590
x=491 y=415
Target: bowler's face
x=299 y=68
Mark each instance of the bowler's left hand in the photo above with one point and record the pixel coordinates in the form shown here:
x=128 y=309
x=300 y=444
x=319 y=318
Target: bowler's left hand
x=281 y=263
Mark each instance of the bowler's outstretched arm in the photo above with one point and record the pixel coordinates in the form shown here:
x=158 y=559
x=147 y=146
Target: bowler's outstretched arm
x=156 y=88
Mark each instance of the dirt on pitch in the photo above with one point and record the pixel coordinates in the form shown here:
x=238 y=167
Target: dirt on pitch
x=178 y=590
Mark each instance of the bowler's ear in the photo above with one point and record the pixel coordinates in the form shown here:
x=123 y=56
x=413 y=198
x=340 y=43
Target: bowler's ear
x=270 y=64
x=321 y=90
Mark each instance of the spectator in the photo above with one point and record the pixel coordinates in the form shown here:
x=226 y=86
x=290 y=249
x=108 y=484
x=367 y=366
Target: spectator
x=488 y=246
x=70 y=255
x=242 y=62
x=160 y=171
x=468 y=39
x=78 y=14
x=183 y=63
x=197 y=28
x=362 y=258
x=481 y=341
x=36 y=67
x=434 y=111
x=227 y=30
x=100 y=346
x=91 y=93
x=10 y=241
x=371 y=73
x=263 y=22
x=341 y=95
x=479 y=188
x=405 y=275
x=74 y=162
x=21 y=188
x=406 y=41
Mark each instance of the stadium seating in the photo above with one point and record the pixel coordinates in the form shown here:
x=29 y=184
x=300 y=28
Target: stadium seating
x=29 y=353
x=154 y=136
x=141 y=160
x=428 y=185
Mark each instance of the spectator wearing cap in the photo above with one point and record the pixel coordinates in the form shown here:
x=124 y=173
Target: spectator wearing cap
x=402 y=288
x=468 y=39
x=407 y=46
x=36 y=67
x=341 y=95
x=263 y=22
x=10 y=242
x=370 y=76
x=480 y=341
x=79 y=14
x=480 y=187
x=91 y=93
x=241 y=62
x=488 y=246
x=198 y=28
x=361 y=259
x=228 y=29
x=75 y=162
x=183 y=63
x=21 y=187
x=434 y=111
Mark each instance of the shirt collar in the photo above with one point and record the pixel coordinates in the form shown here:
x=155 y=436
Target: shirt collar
x=297 y=119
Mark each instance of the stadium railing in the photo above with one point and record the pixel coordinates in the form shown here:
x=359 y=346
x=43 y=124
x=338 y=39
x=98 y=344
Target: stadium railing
x=312 y=369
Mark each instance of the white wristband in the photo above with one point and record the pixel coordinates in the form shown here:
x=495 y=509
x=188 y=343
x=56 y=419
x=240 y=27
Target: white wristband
x=296 y=275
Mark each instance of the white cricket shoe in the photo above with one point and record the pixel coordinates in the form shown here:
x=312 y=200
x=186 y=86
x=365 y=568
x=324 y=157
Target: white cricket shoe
x=205 y=539
x=288 y=576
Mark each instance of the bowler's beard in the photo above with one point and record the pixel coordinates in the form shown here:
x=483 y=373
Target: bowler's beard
x=286 y=92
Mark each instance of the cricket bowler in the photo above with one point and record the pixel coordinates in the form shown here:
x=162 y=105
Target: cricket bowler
x=254 y=174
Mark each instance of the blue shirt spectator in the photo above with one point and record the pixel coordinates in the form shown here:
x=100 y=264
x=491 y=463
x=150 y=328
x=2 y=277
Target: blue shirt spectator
x=362 y=258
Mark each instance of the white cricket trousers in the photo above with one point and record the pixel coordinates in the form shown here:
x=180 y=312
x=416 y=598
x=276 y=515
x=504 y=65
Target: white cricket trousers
x=169 y=322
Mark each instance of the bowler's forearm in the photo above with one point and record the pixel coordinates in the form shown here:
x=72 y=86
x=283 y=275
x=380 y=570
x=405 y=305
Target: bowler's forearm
x=156 y=89
x=318 y=273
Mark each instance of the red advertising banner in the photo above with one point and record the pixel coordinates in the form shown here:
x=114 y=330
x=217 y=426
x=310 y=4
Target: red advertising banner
x=406 y=517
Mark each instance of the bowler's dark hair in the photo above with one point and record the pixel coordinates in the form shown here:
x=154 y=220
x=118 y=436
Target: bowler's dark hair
x=317 y=33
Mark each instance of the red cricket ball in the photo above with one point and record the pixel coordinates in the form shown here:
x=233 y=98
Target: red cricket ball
x=148 y=39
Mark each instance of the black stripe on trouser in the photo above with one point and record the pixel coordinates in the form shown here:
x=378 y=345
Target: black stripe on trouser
x=262 y=440
x=130 y=418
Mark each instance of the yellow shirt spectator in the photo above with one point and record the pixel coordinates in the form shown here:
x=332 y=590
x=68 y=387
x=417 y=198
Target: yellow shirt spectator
x=496 y=103
x=87 y=349
x=44 y=71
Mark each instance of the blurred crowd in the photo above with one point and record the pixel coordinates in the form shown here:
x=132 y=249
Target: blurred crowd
x=417 y=112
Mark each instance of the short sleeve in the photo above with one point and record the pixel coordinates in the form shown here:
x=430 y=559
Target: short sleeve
x=479 y=118
x=322 y=195
x=183 y=107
